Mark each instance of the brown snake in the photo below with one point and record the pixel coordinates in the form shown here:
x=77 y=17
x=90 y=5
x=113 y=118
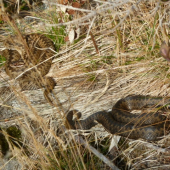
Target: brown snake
x=148 y=126
x=30 y=70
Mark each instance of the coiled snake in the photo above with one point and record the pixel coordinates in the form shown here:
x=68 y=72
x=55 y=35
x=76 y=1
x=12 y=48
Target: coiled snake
x=30 y=70
x=148 y=126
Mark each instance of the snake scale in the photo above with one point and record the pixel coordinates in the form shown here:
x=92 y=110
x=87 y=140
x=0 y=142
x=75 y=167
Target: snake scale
x=148 y=126
x=30 y=70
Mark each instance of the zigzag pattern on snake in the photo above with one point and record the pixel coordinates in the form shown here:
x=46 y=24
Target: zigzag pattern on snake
x=148 y=126
x=18 y=62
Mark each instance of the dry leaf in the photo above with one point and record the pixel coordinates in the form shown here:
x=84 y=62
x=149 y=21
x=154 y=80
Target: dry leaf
x=76 y=5
x=114 y=141
x=64 y=2
x=71 y=35
x=71 y=11
x=165 y=51
x=66 y=39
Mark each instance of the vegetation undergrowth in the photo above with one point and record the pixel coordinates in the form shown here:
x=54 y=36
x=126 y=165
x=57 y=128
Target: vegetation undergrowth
x=114 y=52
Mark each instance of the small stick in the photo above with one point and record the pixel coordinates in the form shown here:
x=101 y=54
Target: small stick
x=94 y=42
x=152 y=146
x=80 y=140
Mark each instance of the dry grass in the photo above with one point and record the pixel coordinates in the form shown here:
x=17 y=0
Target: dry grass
x=116 y=55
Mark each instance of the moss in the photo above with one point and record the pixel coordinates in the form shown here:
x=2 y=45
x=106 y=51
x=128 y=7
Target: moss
x=2 y=60
x=4 y=144
x=14 y=132
x=14 y=137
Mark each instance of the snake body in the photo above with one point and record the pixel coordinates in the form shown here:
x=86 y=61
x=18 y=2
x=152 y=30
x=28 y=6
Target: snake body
x=121 y=121
x=30 y=69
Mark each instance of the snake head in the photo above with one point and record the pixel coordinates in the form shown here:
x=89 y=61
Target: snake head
x=17 y=64
x=70 y=123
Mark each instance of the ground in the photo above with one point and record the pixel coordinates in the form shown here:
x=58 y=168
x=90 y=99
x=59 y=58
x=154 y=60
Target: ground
x=116 y=53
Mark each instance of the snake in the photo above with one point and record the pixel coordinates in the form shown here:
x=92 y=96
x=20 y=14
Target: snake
x=30 y=70
x=148 y=125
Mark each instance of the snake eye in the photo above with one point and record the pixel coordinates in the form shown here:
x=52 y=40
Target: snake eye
x=17 y=64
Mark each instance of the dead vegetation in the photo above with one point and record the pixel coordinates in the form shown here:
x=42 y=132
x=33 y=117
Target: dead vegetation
x=105 y=50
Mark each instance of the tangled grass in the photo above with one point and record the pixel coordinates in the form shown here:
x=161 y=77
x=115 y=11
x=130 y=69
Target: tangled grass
x=105 y=50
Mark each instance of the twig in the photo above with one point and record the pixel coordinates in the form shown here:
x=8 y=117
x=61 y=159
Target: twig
x=98 y=154
x=150 y=145
x=94 y=42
